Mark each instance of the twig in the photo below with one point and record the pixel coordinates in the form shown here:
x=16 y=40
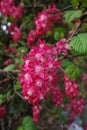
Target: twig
x=19 y=95
x=74 y=30
x=9 y=71
x=71 y=56
x=4 y=80
x=66 y=8
x=2 y=125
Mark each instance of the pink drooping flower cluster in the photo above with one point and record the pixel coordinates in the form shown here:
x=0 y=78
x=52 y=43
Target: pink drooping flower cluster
x=15 y=32
x=71 y=87
x=2 y=111
x=39 y=79
x=45 y=19
x=76 y=106
x=36 y=112
x=39 y=76
x=44 y=22
x=9 y=8
x=31 y=37
x=57 y=97
x=61 y=47
x=10 y=50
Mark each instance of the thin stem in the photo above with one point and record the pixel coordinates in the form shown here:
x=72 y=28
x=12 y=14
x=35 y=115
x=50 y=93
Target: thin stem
x=19 y=95
x=9 y=71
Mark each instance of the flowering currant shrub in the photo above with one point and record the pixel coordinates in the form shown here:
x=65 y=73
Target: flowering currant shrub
x=43 y=63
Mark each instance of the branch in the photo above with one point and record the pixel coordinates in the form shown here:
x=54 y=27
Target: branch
x=74 y=30
x=4 y=80
x=72 y=56
x=19 y=95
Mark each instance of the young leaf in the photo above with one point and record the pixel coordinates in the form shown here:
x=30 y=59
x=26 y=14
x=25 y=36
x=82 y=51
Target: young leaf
x=71 y=15
x=73 y=71
x=28 y=124
x=79 y=43
x=75 y=2
x=20 y=128
x=9 y=67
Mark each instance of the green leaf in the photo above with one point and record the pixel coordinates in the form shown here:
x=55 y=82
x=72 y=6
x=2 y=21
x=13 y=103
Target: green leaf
x=73 y=71
x=83 y=3
x=1 y=98
x=66 y=63
x=59 y=32
x=28 y=124
x=71 y=15
x=75 y=3
x=56 y=35
x=17 y=86
x=20 y=128
x=9 y=67
x=79 y=43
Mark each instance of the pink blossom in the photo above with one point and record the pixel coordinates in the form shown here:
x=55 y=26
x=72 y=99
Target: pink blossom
x=31 y=38
x=16 y=34
x=8 y=8
x=57 y=97
x=39 y=74
x=76 y=106
x=61 y=47
x=71 y=87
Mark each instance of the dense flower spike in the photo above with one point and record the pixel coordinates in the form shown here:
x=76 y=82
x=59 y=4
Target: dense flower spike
x=61 y=47
x=57 y=97
x=76 y=106
x=16 y=34
x=54 y=14
x=36 y=112
x=71 y=87
x=40 y=74
x=42 y=23
x=46 y=18
x=2 y=111
x=8 y=8
x=31 y=38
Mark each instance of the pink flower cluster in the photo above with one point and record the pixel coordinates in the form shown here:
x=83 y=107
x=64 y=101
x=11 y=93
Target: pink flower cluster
x=31 y=37
x=15 y=32
x=8 y=8
x=57 y=97
x=44 y=23
x=71 y=87
x=39 y=76
x=2 y=111
x=45 y=19
x=76 y=106
x=61 y=47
